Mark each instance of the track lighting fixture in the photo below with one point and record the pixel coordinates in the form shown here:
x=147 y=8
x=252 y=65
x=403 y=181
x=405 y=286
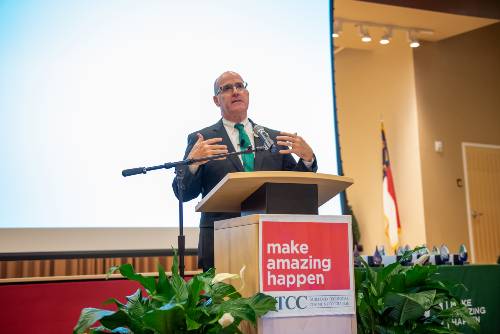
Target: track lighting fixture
x=389 y=29
x=414 y=43
x=365 y=35
x=337 y=29
x=386 y=38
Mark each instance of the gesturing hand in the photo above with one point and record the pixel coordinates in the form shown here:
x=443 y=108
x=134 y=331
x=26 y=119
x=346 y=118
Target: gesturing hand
x=205 y=148
x=296 y=145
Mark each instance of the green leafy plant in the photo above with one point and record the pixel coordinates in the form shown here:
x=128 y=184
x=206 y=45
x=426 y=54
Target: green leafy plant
x=204 y=304
x=356 y=233
x=401 y=299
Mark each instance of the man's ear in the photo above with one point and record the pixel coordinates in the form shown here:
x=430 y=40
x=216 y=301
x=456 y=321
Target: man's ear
x=216 y=101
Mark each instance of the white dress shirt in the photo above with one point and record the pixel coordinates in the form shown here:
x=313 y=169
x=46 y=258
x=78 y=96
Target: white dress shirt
x=234 y=136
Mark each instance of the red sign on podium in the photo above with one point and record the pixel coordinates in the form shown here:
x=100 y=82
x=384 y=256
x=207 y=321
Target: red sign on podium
x=306 y=264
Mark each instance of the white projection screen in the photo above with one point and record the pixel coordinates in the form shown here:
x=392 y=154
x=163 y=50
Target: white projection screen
x=89 y=88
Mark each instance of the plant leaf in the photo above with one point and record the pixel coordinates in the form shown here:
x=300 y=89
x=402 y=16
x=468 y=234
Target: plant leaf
x=231 y=329
x=434 y=328
x=178 y=283
x=221 y=290
x=164 y=289
x=104 y=330
x=194 y=287
x=180 y=288
x=371 y=275
x=88 y=317
x=397 y=283
x=168 y=319
x=365 y=314
x=119 y=318
x=192 y=324
x=115 y=302
x=417 y=275
x=262 y=303
x=409 y=306
x=458 y=311
x=201 y=315
x=239 y=309
x=147 y=282
x=111 y=271
x=135 y=307
x=386 y=273
x=390 y=330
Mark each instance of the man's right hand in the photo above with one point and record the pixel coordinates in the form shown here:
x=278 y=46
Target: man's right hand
x=205 y=148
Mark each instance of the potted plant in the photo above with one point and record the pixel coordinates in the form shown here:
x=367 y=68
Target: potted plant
x=401 y=299
x=204 y=304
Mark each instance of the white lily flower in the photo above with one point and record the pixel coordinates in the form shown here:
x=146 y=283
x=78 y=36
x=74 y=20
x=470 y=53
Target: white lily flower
x=226 y=320
x=421 y=260
x=224 y=276
x=242 y=271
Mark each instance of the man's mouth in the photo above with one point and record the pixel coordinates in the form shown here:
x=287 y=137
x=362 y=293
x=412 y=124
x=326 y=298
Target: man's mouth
x=235 y=101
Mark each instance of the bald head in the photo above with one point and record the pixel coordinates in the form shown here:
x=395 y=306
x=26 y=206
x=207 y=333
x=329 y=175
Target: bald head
x=233 y=99
x=220 y=77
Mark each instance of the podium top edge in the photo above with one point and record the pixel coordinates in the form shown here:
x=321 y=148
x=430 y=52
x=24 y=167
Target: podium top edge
x=286 y=174
x=228 y=194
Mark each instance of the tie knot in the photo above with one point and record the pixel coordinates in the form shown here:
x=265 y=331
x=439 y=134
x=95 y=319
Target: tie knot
x=245 y=143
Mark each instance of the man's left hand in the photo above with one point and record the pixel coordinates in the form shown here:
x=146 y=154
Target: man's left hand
x=296 y=145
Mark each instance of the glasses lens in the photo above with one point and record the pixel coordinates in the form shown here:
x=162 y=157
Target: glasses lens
x=227 y=88
x=239 y=85
x=230 y=87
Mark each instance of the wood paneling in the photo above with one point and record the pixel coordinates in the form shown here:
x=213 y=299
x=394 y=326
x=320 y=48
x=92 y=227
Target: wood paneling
x=87 y=266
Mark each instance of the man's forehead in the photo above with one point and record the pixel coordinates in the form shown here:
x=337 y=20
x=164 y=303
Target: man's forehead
x=229 y=76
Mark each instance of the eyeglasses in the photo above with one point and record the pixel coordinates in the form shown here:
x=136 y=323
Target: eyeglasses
x=239 y=86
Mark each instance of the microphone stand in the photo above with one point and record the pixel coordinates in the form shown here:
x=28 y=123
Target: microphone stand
x=181 y=241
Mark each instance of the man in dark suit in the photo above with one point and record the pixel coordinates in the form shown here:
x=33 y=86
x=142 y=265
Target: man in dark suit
x=234 y=132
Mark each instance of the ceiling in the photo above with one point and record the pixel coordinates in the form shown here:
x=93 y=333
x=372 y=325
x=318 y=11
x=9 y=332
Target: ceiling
x=444 y=25
x=479 y=8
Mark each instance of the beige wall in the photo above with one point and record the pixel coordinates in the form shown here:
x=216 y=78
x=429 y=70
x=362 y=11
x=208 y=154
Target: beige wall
x=447 y=91
x=371 y=85
x=458 y=98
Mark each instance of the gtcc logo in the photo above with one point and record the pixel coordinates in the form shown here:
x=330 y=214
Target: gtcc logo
x=291 y=302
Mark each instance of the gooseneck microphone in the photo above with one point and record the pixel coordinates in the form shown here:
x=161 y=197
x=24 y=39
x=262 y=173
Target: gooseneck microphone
x=264 y=136
x=134 y=171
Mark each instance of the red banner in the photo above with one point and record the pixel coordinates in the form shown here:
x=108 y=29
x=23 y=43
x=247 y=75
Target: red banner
x=308 y=259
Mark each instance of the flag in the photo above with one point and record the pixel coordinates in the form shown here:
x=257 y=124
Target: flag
x=391 y=214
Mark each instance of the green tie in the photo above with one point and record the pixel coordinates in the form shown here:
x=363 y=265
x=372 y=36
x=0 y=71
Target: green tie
x=244 y=143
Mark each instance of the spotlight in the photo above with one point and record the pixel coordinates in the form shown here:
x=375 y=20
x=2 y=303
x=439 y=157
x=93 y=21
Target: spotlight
x=337 y=29
x=386 y=38
x=414 y=43
x=365 y=36
x=388 y=29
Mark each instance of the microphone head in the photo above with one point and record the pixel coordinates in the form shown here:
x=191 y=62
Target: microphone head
x=257 y=128
x=264 y=136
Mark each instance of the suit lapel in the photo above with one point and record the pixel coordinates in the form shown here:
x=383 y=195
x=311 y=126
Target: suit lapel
x=220 y=131
x=259 y=156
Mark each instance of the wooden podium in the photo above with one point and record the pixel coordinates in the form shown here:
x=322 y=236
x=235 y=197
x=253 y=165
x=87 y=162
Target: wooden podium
x=289 y=196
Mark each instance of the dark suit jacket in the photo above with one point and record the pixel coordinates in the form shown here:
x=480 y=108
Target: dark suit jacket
x=210 y=173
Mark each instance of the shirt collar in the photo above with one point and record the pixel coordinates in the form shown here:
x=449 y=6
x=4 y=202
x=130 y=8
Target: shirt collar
x=230 y=124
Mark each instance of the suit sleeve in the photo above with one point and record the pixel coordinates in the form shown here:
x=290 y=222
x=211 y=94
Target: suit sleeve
x=191 y=183
x=289 y=164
